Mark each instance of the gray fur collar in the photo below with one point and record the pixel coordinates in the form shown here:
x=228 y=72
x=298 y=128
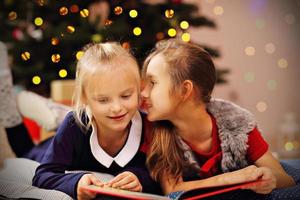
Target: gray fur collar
x=234 y=123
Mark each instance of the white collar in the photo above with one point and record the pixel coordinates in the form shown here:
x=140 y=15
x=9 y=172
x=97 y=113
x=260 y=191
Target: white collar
x=127 y=152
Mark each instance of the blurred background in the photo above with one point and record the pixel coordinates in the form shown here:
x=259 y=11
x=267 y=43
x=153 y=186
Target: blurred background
x=254 y=43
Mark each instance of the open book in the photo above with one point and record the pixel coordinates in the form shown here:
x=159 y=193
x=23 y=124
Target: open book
x=197 y=193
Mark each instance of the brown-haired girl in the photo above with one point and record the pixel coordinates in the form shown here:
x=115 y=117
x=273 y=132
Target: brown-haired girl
x=199 y=141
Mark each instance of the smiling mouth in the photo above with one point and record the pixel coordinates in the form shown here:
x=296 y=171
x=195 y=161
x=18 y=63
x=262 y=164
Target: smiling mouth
x=119 y=117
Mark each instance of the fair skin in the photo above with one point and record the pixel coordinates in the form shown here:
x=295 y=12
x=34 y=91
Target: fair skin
x=185 y=112
x=112 y=108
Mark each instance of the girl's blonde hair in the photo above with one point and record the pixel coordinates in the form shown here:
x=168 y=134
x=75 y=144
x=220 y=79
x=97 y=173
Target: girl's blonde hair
x=97 y=59
x=185 y=61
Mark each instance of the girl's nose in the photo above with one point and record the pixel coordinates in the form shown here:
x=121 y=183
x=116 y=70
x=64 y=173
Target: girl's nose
x=145 y=92
x=116 y=107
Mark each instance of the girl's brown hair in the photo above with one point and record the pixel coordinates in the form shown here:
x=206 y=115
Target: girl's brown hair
x=185 y=61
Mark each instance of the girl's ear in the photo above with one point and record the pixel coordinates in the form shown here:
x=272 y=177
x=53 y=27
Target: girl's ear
x=187 y=89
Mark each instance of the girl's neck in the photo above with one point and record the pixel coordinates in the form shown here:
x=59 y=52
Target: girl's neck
x=112 y=142
x=193 y=123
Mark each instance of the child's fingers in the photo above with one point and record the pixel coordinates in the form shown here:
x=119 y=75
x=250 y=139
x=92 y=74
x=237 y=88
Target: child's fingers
x=133 y=186
x=116 y=179
x=124 y=181
x=95 y=181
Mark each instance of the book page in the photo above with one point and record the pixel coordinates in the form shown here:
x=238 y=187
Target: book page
x=200 y=193
x=108 y=191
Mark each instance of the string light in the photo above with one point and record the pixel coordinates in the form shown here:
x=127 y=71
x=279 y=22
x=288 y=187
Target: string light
x=36 y=80
x=184 y=25
x=118 y=10
x=12 y=15
x=74 y=8
x=160 y=35
x=25 y=56
x=137 y=31
x=218 y=10
x=84 y=13
x=38 y=21
x=96 y=37
x=107 y=22
x=40 y=2
x=186 y=37
x=54 y=41
x=79 y=54
x=62 y=73
x=55 y=58
x=63 y=11
x=261 y=106
x=250 y=51
x=70 y=29
x=172 y=32
x=282 y=63
x=169 y=13
x=270 y=48
x=133 y=13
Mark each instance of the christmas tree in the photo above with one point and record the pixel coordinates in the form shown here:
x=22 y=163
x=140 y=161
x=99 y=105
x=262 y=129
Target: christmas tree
x=45 y=37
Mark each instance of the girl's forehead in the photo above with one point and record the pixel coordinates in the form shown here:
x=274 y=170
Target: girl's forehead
x=118 y=80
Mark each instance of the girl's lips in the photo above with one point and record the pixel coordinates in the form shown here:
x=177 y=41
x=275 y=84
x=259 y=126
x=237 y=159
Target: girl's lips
x=119 y=117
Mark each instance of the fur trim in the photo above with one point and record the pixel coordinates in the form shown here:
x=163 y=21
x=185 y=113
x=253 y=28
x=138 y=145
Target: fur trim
x=234 y=123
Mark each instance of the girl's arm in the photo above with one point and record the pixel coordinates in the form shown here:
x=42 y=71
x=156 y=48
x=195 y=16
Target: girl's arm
x=269 y=161
x=58 y=158
x=247 y=174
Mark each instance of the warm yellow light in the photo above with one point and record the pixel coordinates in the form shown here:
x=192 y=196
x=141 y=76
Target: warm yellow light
x=38 y=21
x=79 y=54
x=55 y=58
x=282 y=63
x=186 y=37
x=250 y=51
x=184 y=25
x=289 y=146
x=96 y=37
x=261 y=106
x=25 y=56
x=218 y=10
x=70 y=29
x=84 y=13
x=62 y=73
x=172 y=32
x=169 y=13
x=36 y=80
x=133 y=13
x=137 y=31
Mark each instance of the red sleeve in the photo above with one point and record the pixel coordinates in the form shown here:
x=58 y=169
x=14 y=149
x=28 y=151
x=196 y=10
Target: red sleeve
x=257 y=146
x=147 y=131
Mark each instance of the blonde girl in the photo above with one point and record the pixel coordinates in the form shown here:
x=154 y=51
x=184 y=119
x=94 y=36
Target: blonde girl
x=105 y=131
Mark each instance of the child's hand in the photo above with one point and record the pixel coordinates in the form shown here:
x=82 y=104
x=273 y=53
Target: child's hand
x=126 y=181
x=87 y=179
x=268 y=184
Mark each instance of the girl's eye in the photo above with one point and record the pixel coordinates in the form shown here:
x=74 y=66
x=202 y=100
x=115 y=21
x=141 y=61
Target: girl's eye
x=126 y=96
x=103 y=100
x=152 y=82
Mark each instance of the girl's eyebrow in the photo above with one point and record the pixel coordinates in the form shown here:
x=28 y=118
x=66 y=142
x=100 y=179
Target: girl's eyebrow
x=128 y=90
x=124 y=91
